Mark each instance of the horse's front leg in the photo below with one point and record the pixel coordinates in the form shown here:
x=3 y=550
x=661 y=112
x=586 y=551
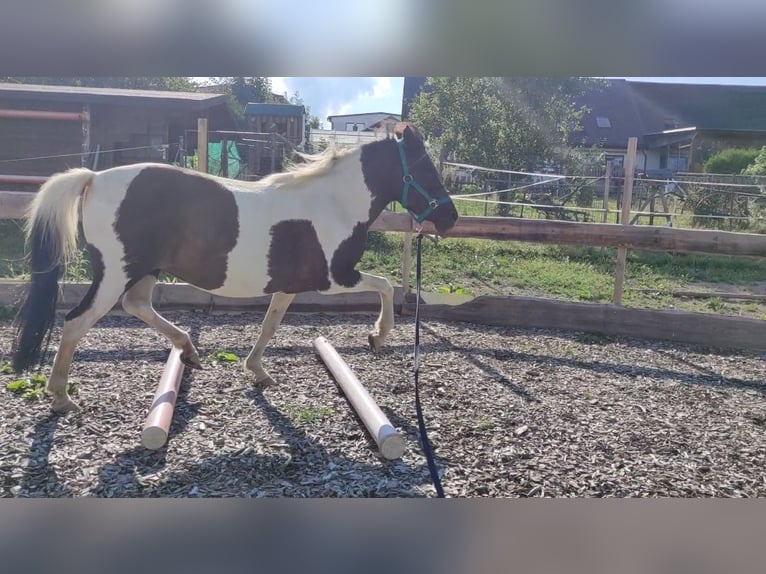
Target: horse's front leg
x=277 y=308
x=385 y=321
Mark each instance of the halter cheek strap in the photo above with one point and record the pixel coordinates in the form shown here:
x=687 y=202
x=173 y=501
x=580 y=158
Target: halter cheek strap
x=409 y=181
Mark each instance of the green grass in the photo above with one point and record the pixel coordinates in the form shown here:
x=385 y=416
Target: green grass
x=310 y=414
x=11 y=249
x=568 y=273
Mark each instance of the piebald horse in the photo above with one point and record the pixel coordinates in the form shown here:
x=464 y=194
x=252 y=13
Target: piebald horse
x=292 y=232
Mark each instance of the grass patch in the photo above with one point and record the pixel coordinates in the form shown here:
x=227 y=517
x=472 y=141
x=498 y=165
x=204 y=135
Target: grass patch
x=32 y=388
x=571 y=273
x=222 y=356
x=12 y=263
x=485 y=424
x=310 y=414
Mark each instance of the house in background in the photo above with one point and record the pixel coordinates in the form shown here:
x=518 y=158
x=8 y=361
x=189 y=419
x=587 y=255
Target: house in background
x=678 y=126
x=366 y=122
x=124 y=127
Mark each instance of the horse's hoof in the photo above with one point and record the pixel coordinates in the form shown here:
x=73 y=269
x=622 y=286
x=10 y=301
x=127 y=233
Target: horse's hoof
x=64 y=407
x=266 y=381
x=192 y=361
x=375 y=343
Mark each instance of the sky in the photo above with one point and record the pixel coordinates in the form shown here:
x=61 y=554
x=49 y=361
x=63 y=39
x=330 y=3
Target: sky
x=337 y=96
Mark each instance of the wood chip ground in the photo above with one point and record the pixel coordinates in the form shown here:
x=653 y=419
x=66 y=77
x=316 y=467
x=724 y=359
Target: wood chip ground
x=511 y=413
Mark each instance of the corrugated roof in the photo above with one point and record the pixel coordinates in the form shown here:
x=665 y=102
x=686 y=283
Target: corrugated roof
x=96 y=95
x=260 y=109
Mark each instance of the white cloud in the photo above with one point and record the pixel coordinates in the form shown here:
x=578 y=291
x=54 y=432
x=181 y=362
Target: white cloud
x=345 y=95
x=279 y=86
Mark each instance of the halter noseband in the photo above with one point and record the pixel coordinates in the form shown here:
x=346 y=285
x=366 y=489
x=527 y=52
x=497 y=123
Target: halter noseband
x=409 y=181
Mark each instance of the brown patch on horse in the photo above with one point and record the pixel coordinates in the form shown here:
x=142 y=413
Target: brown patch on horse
x=296 y=262
x=179 y=222
x=97 y=267
x=347 y=255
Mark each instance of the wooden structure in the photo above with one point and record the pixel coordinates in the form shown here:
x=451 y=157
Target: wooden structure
x=117 y=127
x=390 y=443
x=283 y=126
x=157 y=425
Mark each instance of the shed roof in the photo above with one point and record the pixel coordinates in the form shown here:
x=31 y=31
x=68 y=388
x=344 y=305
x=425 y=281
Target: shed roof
x=190 y=100
x=637 y=108
x=261 y=109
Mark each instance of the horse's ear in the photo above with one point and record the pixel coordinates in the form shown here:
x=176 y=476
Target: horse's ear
x=399 y=130
x=403 y=129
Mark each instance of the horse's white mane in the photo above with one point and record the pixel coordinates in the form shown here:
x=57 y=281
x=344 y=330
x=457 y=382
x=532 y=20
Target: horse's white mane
x=314 y=165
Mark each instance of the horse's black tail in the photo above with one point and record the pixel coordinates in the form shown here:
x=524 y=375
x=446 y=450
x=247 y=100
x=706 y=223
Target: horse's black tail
x=51 y=239
x=37 y=313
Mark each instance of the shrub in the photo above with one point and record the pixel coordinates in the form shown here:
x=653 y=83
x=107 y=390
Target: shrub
x=732 y=160
x=758 y=166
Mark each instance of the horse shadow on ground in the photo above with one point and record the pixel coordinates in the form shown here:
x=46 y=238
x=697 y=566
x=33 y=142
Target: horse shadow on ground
x=304 y=468
x=477 y=356
x=39 y=470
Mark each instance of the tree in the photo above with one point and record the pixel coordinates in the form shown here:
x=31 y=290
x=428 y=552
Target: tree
x=310 y=122
x=243 y=90
x=497 y=122
x=758 y=166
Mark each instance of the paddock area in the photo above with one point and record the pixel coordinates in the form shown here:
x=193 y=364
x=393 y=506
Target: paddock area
x=511 y=413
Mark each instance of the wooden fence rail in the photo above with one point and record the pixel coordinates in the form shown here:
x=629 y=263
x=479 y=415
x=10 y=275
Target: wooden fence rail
x=640 y=237
x=732 y=332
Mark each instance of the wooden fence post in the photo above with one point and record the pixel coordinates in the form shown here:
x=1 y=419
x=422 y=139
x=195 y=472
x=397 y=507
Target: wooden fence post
x=202 y=144
x=85 y=136
x=607 y=177
x=627 y=197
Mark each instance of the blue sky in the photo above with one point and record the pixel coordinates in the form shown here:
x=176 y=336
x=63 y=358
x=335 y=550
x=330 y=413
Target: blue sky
x=332 y=96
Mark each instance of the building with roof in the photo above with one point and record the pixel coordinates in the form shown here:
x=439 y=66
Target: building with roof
x=678 y=126
x=287 y=120
x=370 y=121
x=120 y=126
x=287 y=123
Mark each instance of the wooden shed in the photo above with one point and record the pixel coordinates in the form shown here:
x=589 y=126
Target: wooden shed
x=99 y=127
x=286 y=120
x=284 y=123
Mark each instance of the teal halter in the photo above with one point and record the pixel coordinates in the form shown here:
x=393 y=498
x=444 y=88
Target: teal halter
x=409 y=181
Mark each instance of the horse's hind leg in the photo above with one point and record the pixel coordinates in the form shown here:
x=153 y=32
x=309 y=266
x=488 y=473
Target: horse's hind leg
x=138 y=302
x=277 y=308
x=103 y=293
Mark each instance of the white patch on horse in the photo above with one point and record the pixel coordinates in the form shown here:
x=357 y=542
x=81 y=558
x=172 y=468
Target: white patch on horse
x=342 y=188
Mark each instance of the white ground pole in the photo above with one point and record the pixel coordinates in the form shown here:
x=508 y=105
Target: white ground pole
x=157 y=424
x=390 y=443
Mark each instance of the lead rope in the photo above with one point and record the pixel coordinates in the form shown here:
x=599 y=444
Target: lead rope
x=421 y=422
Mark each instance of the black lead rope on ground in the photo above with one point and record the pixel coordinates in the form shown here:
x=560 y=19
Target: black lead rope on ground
x=421 y=422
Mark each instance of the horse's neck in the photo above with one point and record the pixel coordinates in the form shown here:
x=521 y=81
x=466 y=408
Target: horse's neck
x=350 y=187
